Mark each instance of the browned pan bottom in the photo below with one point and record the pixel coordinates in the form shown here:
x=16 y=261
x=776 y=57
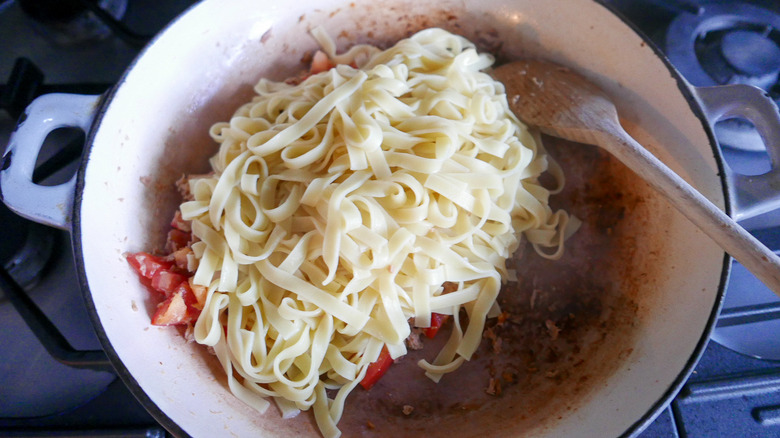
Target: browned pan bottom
x=567 y=324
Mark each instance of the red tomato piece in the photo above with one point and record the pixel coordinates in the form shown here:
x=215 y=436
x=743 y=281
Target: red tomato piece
x=320 y=63
x=172 y=311
x=180 y=257
x=185 y=290
x=179 y=223
x=377 y=369
x=177 y=239
x=200 y=293
x=166 y=282
x=147 y=265
x=437 y=320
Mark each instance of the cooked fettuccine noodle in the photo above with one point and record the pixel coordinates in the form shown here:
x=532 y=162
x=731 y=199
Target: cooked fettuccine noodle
x=339 y=206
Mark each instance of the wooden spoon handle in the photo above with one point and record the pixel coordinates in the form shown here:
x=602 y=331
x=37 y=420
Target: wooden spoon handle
x=734 y=239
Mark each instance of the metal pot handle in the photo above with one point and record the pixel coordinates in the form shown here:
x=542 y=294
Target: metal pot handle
x=752 y=195
x=49 y=205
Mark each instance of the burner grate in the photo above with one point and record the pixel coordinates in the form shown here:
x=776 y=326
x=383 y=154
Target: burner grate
x=740 y=53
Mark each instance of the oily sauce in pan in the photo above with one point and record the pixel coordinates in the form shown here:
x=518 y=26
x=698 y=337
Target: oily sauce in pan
x=565 y=328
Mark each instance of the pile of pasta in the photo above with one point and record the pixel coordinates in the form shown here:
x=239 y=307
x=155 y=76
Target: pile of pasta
x=340 y=205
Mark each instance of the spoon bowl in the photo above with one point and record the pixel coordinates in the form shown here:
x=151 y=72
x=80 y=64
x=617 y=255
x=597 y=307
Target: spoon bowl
x=563 y=103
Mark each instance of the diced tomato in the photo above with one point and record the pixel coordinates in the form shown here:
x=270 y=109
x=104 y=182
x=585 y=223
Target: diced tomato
x=172 y=311
x=180 y=257
x=437 y=320
x=181 y=307
x=177 y=239
x=165 y=281
x=179 y=223
x=148 y=265
x=193 y=308
x=377 y=369
x=320 y=63
x=199 y=292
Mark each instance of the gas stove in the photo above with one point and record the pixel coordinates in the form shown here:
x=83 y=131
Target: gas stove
x=56 y=381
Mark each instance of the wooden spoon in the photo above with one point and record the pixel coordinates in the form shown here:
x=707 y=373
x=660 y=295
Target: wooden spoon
x=564 y=104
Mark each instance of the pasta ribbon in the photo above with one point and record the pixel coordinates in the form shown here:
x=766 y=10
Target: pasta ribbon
x=339 y=206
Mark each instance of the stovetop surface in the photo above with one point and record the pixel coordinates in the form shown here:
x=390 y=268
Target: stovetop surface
x=728 y=394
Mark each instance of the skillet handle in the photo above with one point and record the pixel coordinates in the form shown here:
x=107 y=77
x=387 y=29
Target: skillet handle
x=752 y=195
x=49 y=205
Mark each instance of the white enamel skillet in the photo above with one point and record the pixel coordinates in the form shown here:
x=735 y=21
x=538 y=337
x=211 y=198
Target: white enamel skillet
x=150 y=128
